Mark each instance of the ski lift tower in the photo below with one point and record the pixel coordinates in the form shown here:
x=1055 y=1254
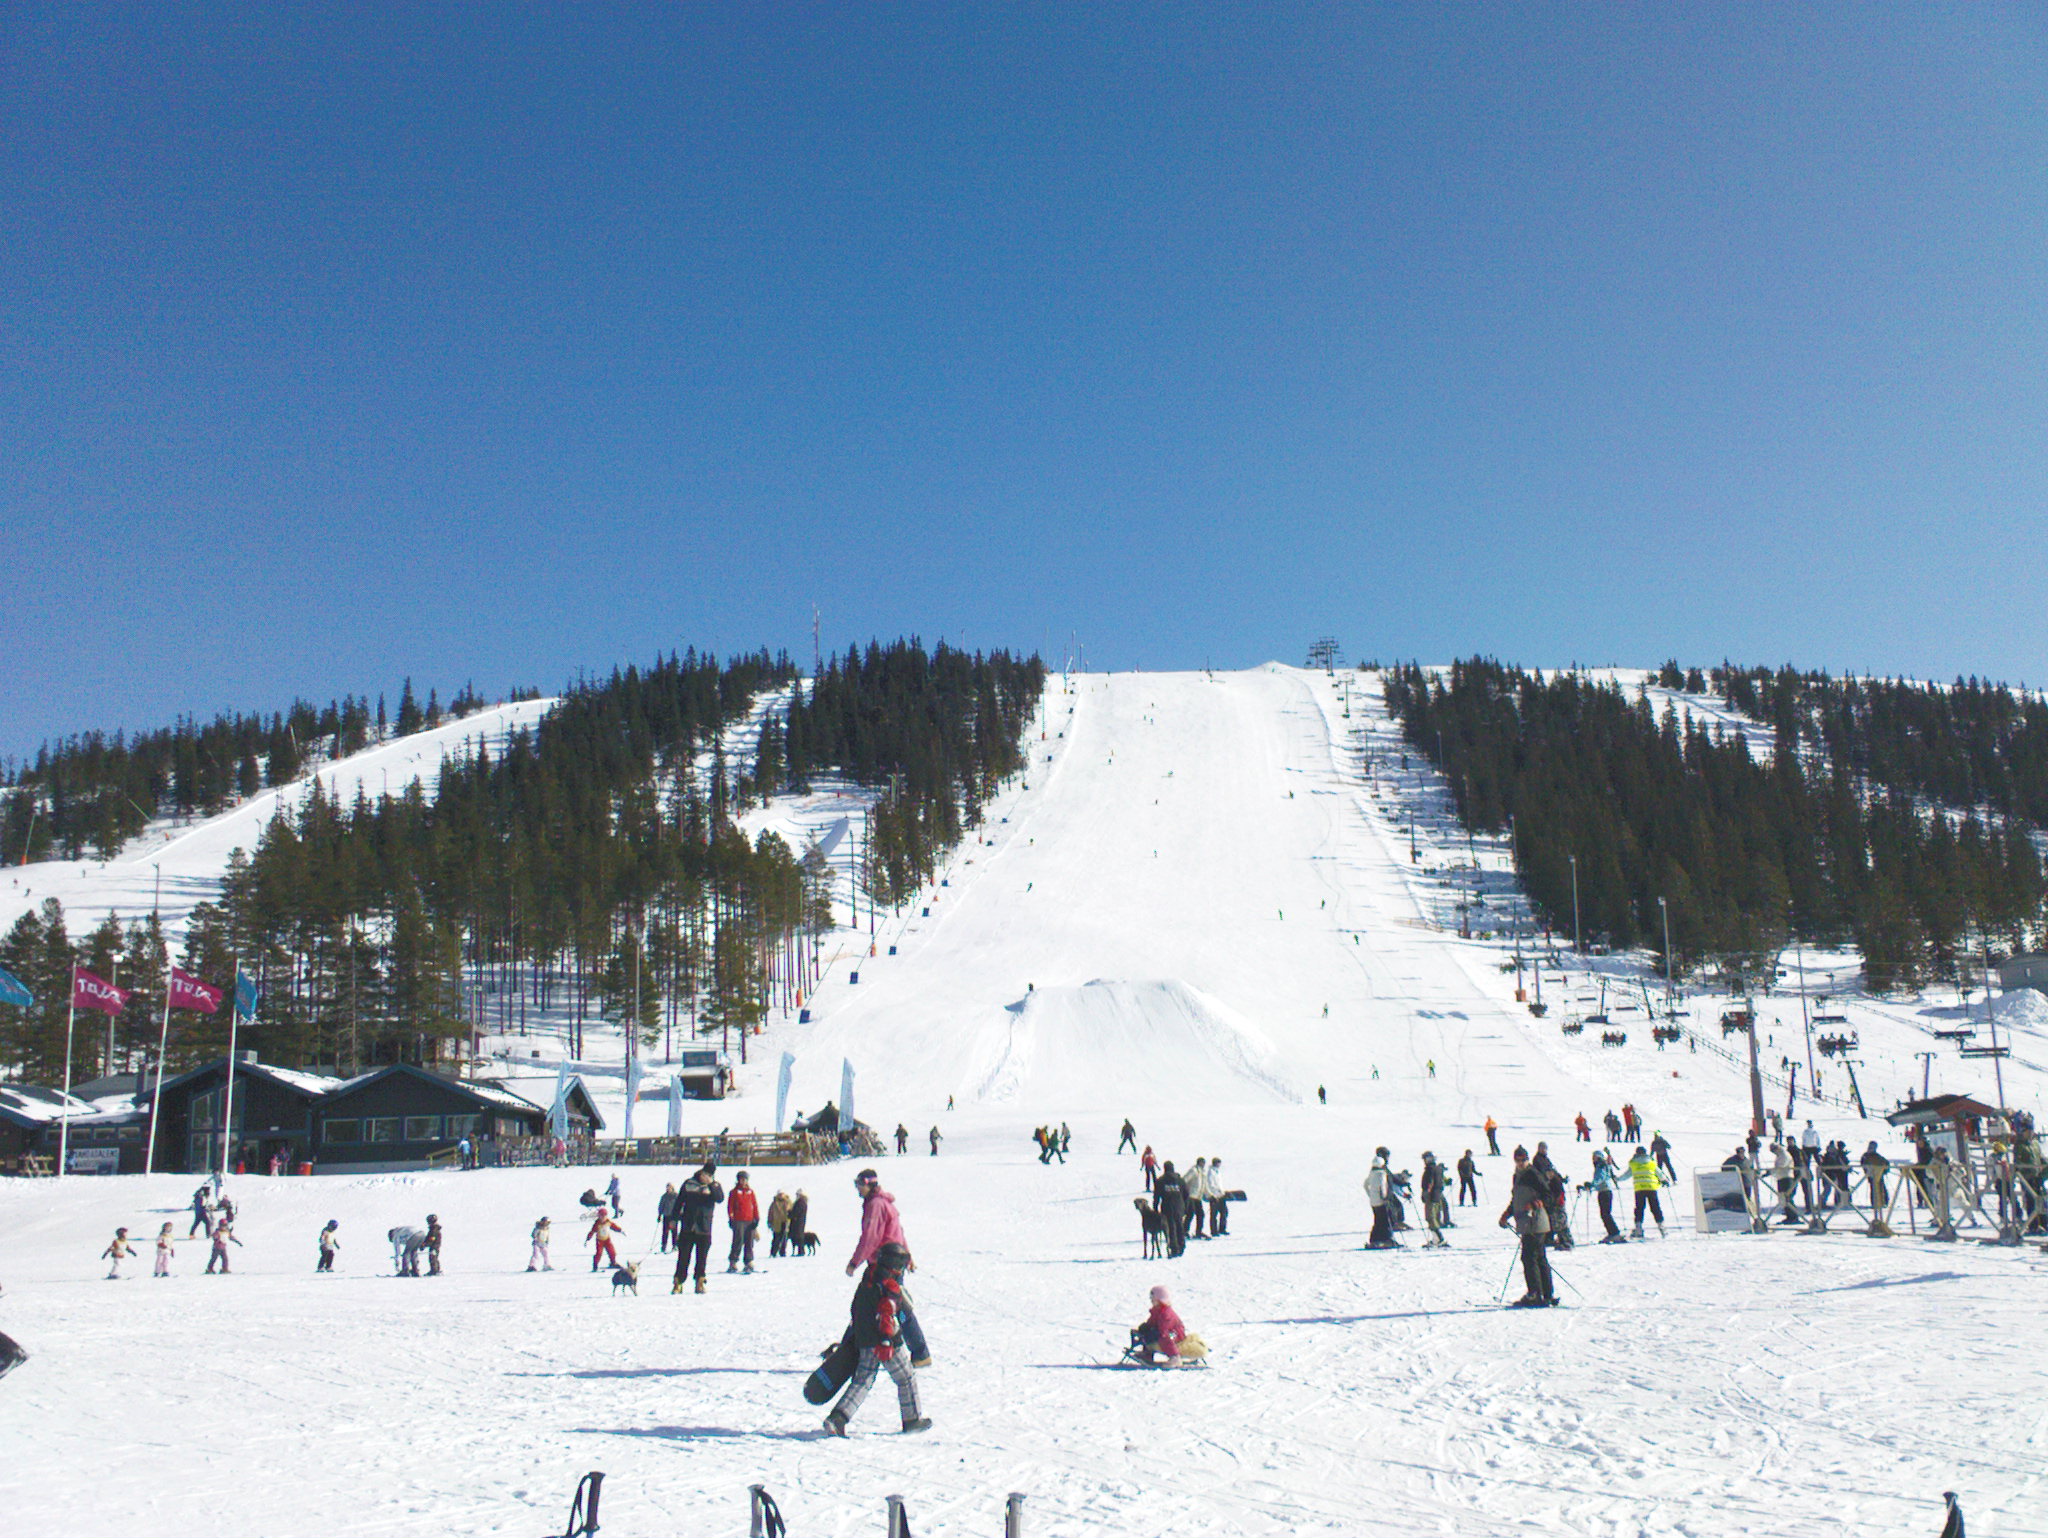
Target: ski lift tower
x=1322 y=653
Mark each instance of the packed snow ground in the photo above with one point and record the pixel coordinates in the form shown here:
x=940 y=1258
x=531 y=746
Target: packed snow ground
x=1155 y=929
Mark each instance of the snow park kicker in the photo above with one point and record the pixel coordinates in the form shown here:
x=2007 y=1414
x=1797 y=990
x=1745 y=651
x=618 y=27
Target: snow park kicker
x=1199 y=914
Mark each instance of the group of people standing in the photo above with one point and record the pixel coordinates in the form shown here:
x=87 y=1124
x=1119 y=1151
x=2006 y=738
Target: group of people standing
x=1185 y=1202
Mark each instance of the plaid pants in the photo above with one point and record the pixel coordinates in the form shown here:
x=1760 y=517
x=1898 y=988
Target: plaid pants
x=863 y=1379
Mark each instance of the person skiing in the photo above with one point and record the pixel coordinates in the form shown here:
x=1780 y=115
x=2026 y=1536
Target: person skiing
x=1603 y=1192
x=330 y=1243
x=743 y=1215
x=1492 y=1129
x=1149 y=1163
x=701 y=1196
x=537 y=1260
x=1170 y=1196
x=1528 y=1211
x=1434 y=1212
x=902 y=1139
x=1583 y=1128
x=1219 y=1203
x=164 y=1245
x=1647 y=1180
x=665 y=1217
x=1128 y=1138
x=1161 y=1333
x=1379 y=1188
x=1322 y=1095
x=778 y=1226
x=432 y=1241
x=878 y=1312
x=935 y=1140
x=602 y=1251
x=223 y=1236
x=202 y=1215
x=1468 y=1178
x=1660 y=1150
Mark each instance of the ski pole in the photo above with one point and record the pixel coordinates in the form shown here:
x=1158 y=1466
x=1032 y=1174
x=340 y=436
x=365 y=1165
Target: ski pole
x=1513 y=1255
x=1557 y=1275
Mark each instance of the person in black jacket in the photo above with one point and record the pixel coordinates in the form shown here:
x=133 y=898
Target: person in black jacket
x=700 y=1198
x=799 y=1221
x=1468 y=1178
x=878 y=1308
x=1528 y=1210
x=1170 y=1196
x=1555 y=1187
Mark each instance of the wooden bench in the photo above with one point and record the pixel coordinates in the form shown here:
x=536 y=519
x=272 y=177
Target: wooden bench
x=36 y=1165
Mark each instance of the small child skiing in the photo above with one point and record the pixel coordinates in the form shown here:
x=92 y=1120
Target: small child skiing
x=119 y=1250
x=328 y=1245
x=433 y=1244
x=1161 y=1334
x=223 y=1236
x=602 y=1227
x=538 y=1260
x=164 y=1244
x=878 y=1306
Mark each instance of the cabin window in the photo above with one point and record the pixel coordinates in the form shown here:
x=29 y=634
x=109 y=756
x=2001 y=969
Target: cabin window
x=422 y=1129
x=462 y=1126
x=380 y=1129
x=342 y=1129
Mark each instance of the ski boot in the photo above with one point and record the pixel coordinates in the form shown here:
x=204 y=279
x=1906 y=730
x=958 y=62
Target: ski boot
x=920 y=1423
x=700 y=1284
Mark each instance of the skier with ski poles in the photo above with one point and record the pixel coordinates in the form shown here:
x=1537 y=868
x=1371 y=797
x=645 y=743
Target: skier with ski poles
x=1528 y=1212
x=1647 y=1180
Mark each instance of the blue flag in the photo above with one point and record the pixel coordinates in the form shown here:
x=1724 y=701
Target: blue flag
x=13 y=990
x=246 y=993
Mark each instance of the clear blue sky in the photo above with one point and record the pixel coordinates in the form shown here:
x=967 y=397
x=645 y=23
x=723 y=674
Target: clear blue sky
x=344 y=343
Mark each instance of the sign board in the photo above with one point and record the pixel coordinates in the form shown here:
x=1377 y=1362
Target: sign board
x=94 y=1161
x=1719 y=1205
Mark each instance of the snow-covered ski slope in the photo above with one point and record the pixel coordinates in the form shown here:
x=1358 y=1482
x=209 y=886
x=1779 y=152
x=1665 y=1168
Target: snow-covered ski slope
x=1154 y=929
x=179 y=865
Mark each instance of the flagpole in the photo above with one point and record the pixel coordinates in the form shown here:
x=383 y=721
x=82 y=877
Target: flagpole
x=156 y=1094
x=64 y=1125
x=227 y=1099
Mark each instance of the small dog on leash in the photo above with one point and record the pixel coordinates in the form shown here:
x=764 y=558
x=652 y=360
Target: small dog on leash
x=1152 y=1226
x=626 y=1278
x=805 y=1244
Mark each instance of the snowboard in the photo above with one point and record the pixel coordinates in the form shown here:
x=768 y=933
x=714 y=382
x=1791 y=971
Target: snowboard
x=833 y=1371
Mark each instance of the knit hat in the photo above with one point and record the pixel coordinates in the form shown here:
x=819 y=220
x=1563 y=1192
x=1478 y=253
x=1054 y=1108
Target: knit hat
x=1159 y=1294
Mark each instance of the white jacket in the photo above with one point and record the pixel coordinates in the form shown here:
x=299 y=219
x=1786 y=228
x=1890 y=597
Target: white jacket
x=1200 y=1187
x=1376 y=1184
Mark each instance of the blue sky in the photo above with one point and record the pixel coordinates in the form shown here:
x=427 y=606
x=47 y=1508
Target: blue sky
x=345 y=343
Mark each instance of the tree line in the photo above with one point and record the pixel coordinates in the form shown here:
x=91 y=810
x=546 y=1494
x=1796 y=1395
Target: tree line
x=592 y=867
x=1745 y=854
x=93 y=791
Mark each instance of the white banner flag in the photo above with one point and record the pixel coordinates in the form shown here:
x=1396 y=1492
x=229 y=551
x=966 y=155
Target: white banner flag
x=846 y=1095
x=782 y=1077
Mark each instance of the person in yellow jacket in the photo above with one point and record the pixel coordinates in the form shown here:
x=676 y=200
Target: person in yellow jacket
x=1648 y=1181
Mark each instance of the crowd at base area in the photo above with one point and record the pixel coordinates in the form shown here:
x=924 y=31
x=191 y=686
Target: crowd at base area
x=1181 y=1201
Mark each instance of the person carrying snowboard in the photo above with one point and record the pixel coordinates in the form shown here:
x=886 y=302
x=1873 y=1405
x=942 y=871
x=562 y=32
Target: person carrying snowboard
x=329 y=1243
x=1161 y=1333
x=878 y=1336
x=1528 y=1212
x=1219 y=1201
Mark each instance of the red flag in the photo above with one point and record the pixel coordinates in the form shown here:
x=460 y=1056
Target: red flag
x=188 y=992
x=89 y=992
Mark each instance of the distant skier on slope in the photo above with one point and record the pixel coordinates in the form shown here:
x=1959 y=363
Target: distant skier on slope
x=1129 y=1137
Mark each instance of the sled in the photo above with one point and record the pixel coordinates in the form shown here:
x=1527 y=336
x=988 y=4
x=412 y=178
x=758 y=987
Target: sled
x=1193 y=1353
x=833 y=1371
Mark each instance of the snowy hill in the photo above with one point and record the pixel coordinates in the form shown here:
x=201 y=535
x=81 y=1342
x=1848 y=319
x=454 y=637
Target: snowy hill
x=180 y=865
x=1197 y=909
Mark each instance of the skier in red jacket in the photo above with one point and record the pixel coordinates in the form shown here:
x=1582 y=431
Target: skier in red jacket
x=743 y=1212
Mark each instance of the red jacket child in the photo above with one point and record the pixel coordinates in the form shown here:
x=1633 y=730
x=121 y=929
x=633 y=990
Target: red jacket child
x=1162 y=1330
